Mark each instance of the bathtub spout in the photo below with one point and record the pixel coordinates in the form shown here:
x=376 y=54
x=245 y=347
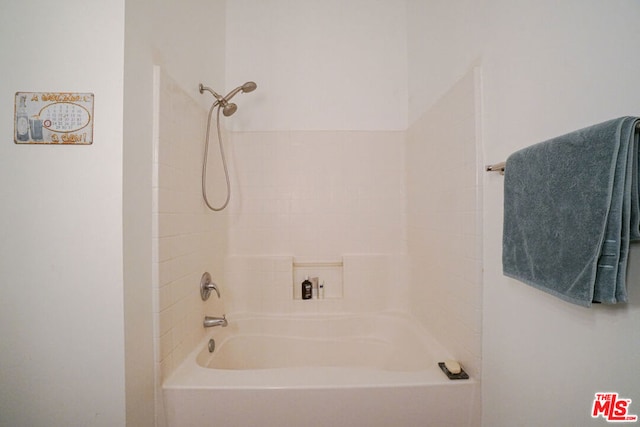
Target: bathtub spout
x=210 y=321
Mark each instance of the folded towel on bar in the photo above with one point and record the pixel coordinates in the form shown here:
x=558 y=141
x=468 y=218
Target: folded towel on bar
x=570 y=210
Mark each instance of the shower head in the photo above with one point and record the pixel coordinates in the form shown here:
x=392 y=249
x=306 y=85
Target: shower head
x=245 y=88
x=228 y=108
x=249 y=87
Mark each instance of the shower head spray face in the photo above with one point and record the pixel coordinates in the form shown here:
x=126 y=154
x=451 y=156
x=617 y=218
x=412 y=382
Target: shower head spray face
x=249 y=87
x=229 y=109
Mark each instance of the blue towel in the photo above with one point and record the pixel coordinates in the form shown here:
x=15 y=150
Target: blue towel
x=570 y=211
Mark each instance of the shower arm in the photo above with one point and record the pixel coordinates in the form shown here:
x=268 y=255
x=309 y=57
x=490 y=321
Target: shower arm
x=219 y=99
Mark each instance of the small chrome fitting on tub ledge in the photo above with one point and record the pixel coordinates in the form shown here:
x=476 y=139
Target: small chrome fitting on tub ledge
x=210 y=321
x=206 y=286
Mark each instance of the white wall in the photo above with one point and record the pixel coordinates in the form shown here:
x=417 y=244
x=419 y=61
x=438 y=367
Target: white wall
x=61 y=256
x=68 y=210
x=188 y=42
x=550 y=68
x=318 y=64
x=443 y=42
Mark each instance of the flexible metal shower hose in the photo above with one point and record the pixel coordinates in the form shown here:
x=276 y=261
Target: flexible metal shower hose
x=224 y=161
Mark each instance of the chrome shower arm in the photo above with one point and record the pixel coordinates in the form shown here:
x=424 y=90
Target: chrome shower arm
x=202 y=88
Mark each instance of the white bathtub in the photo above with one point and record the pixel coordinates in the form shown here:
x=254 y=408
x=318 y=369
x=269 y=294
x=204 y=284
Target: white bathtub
x=368 y=370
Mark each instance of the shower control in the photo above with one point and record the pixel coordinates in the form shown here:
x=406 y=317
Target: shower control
x=206 y=286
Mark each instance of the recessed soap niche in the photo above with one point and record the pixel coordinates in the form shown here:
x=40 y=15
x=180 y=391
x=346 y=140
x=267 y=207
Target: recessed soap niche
x=328 y=271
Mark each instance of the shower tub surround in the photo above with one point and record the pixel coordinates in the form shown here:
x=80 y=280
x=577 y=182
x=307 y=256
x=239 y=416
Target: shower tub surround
x=323 y=196
x=318 y=370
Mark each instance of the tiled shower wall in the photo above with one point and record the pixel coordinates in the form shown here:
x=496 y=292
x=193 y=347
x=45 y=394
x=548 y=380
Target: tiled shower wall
x=370 y=201
x=317 y=193
x=444 y=220
x=317 y=196
x=188 y=239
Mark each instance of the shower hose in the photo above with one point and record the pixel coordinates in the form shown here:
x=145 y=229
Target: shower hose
x=224 y=161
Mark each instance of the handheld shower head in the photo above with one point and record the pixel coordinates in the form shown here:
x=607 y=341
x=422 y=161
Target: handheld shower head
x=245 y=88
x=249 y=87
x=228 y=108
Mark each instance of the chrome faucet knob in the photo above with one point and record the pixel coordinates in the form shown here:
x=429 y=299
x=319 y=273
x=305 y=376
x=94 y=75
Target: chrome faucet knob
x=206 y=286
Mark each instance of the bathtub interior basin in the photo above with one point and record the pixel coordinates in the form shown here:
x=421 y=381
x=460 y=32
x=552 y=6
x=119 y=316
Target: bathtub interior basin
x=388 y=342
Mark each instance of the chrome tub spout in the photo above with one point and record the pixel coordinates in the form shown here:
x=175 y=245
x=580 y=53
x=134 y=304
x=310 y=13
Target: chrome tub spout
x=210 y=321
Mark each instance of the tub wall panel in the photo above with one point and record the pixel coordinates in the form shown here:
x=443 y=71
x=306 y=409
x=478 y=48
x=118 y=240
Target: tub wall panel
x=342 y=407
x=444 y=220
x=188 y=239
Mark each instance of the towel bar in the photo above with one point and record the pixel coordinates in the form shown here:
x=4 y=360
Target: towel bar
x=498 y=167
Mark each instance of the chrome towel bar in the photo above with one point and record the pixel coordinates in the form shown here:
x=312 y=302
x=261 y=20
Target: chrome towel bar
x=498 y=167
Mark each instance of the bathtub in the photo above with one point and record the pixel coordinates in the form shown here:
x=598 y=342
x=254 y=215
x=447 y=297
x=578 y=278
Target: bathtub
x=329 y=370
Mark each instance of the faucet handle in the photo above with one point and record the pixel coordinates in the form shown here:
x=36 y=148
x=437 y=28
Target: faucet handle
x=206 y=285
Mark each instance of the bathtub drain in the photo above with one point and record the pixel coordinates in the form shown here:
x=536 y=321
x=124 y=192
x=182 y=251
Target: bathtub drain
x=212 y=345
